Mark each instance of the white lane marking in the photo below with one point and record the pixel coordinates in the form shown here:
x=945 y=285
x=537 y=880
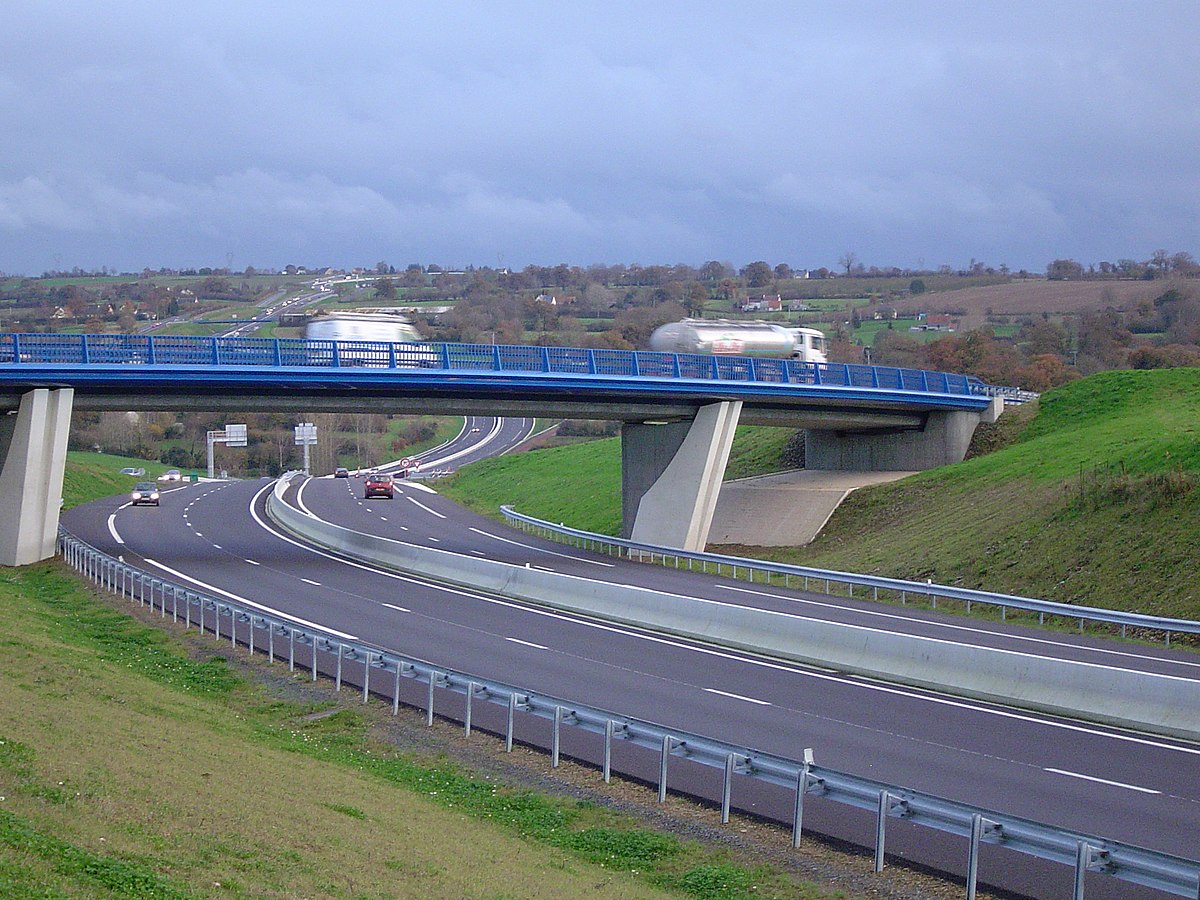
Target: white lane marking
x=253 y=563
x=216 y=590
x=818 y=673
x=404 y=528
x=478 y=552
x=218 y=546
x=436 y=540
x=954 y=627
x=395 y=607
x=496 y=537
x=383 y=518
x=739 y=697
x=310 y=581
x=426 y=508
x=1120 y=784
x=198 y=534
x=112 y=525
x=527 y=643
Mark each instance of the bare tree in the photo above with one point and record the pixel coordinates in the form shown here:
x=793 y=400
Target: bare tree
x=849 y=260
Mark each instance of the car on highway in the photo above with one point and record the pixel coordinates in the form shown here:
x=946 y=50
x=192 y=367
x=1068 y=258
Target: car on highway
x=134 y=471
x=378 y=484
x=144 y=493
x=171 y=475
x=341 y=472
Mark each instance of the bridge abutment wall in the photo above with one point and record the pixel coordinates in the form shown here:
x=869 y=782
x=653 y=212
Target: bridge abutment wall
x=943 y=439
x=33 y=457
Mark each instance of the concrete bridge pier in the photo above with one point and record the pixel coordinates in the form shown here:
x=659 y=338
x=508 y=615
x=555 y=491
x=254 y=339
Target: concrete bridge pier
x=943 y=438
x=671 y=475
x=33 y=456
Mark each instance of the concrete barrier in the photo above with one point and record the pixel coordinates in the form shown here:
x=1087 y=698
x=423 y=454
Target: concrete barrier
x=1161 y=703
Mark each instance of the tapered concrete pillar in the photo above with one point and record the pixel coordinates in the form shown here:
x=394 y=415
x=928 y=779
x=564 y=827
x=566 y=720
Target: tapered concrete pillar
x=671 y=476
x=33 y=455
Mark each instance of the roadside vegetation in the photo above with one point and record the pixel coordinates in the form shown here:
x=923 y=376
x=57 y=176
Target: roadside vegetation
x=1091 y=499
x=130 y=768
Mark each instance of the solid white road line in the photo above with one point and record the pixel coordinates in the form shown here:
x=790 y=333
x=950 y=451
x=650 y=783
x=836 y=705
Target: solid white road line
x=527 y=643
x=112 y=525
x=426 y=508
x=1120 y=784
x=747 y=659
x=395 y=607
x=496 y=537
x=216 y=590
x=954 y=627
x=738 y=697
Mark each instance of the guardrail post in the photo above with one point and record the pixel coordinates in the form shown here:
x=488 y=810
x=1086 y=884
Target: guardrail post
x=429 y=700
x=250 y=635
x=271 y=642
x=467 y=712
x=555 y=739
x=608 y=736
x=973 y=855
x=367 y=676
x=1082 y=853
x=798 y=806
x=201 y=605
x=291 y=649
x=337 y=677
x=880 y=825
x=662 y=768
x=727 y=788
x=217 y=618
x=512 y=714
x=396 y=691
x=313 y=643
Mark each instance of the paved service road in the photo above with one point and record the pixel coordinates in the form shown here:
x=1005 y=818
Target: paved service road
x=1118 y=784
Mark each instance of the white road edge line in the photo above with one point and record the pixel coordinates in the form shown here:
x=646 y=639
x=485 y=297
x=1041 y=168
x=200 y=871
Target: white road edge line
x=112 y=525
x=810 y=672
x=496 y=537
x=1120 y=784
x=739 y=697
x=240 y=599
x=526 y=643
x=424 y=507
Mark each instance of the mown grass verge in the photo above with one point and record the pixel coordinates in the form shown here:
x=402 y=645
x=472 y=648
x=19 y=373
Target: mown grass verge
x=129 y=768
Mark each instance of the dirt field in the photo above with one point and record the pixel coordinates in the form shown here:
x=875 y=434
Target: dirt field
x=1022 y=298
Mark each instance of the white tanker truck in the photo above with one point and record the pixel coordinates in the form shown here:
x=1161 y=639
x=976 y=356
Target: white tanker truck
x=377 y=328
x=727 y=337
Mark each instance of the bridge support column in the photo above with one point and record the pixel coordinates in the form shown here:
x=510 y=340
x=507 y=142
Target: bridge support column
x=944 y=439
x=671 y=476
x=33 y=455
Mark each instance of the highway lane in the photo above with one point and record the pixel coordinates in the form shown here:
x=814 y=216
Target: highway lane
x=1025 y=764
x=421 y=517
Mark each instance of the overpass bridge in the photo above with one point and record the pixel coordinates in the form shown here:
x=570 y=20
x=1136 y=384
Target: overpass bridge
x=679 y=410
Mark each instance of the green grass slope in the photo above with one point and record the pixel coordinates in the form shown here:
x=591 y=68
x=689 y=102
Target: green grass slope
x=131 y=768
x=1094 y=502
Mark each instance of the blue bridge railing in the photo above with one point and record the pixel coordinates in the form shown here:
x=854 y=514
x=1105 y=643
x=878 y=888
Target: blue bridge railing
x=178 y=350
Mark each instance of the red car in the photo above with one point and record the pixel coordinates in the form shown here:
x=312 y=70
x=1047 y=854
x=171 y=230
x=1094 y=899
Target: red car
x=378 y=484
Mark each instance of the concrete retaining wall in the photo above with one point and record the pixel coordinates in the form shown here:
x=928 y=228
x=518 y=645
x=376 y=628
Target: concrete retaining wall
x=1159 y=703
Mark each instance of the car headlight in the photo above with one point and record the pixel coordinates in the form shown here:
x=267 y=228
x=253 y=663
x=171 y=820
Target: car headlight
x=137 y=496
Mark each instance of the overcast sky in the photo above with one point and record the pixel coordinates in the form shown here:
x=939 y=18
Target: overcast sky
x=915 y=134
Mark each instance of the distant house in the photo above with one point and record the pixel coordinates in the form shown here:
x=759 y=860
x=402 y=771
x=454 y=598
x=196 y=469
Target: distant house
x=934 y=322
x=770 y=303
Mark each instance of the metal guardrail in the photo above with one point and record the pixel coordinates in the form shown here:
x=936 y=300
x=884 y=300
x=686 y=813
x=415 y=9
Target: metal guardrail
x=382 y=672
x=123 y=349
x=804 y=576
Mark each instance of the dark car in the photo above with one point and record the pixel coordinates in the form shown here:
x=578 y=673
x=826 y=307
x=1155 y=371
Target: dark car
x=378 y=484
x=144 y=493
x=341 y=472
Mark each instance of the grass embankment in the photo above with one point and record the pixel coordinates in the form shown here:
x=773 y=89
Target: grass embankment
x=129 y=769
x=1095 y=502
x=90 y=476
x=580 y=484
